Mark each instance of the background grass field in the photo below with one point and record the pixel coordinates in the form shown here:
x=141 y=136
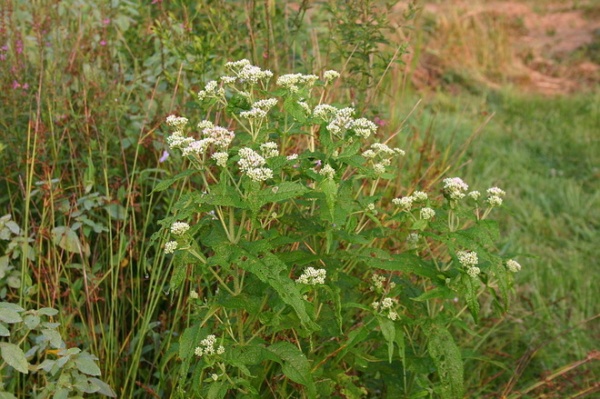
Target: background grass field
x=86 y=89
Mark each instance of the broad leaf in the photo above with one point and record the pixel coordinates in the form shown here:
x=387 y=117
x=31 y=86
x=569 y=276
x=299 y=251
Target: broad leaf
x=295 y=365
x=446 y=356
x=14 y=357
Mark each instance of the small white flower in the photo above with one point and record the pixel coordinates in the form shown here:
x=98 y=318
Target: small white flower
x=269 y=149
x=363 y=127
x=179 y=228
x=170 y=247
x=330 y=75
x=474 y=195
x=198 y=351
x=473 y=271
x=197 y=147
x=419 y=196
x=292 y=157
x=178 y=122
x=455 y=188
x=259 y=174
x=254 y=113
x=305 y=107
x=369 y=154
x=404 y=203
x=328 y=172
x=494 y=200
x=467 y=258
x=205 y=125
x=220 y=158
x=427 y=213
x=312 y=276
x=513 y=266
x=249 y=159
x=370 y=207
x=379 y=168
x=324 y=111
x=413 y=239
x=214 y=377
x=193 y=294
x=495 y=191
x=266 y=104
x=392 y=315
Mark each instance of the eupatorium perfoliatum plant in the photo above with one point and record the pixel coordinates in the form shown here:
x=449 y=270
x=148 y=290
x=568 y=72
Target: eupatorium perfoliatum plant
x=307 y=275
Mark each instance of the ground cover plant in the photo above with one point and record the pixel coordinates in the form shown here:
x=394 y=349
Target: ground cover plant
x=106 y=292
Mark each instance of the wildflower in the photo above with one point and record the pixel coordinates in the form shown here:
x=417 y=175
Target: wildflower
x=392 y=315
x=228 y=80
x=419 y=196
x=324 y=111
x=178 y=122
x=164 y=156
x=377 y=282
x=266 y=104
x=219 y=136
x=292 y=81
x=269 y=149
x=387 y=303
x=207 y=347
x=220 y=158
x=197 y=147
x=473 y=271
x=214 y=377
x=405 y=203
x=179 y=228
x=259 y=174
x=249 y=159
x=474 y=195
x=312 y=276
x=252 y=74
x=370 y=207
x=330 y=76
x=177 y=140
x=427 y=213
x=494 y=200
x=210 y=90
x=467 y=258
x=254 y=113
x=205 y=125
x=513 y=266
x=292 y=157
x=495 y=191
x=305 y=107
x=193 y=294
x=328 y=172
x=363 y=127
x=379 y=168
x=369 y=154
x=170 y=247
x=455 y=188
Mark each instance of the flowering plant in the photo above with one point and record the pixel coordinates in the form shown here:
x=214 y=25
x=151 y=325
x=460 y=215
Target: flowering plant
x=304 y=274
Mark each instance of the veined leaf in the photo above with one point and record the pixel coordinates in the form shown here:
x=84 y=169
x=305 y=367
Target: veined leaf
x=446 y=356
x=281 y=192
x=14 y=357
x=86 y=363
x=295 y=365
x=166 y=183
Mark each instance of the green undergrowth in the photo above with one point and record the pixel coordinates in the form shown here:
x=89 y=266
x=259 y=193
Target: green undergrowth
x=544 y=151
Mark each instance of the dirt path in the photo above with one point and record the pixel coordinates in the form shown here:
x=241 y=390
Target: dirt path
x=546 y=48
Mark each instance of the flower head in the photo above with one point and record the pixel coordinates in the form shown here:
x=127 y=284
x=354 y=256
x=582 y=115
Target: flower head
x=455 y=188
x=513 y=266
x=179 y=228
x=312 y=276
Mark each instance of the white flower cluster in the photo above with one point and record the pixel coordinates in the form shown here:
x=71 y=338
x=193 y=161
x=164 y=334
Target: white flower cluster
x=386 y=307
x=251 y=163
x=413 y=239
x=177 y=122
x=455 y=188
x=427 y=213
x=328 y=172
x=363 y=127
x=513 y=265
x=269 y=149
x=254 y=113
x=312 y=276
x=377 y=282
x=219 y=136
x=404 y=203
x=330 y=75
x=179 y=228
x=220 y=158
x=469 y=260
x=207 y=347
x=170 y=247
x=293 y=81
x=248 y=73
x=325 y=112
x=341 y=122
x=381 y=156
x=495 y=195
x=177 y=140
x=474 y=195
x=211 y=89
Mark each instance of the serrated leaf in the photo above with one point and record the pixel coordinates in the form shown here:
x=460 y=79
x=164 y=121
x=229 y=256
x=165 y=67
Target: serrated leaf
x=10 y=316
x=281 y=192
x=446 y=356
x=103 y=387
x=389 y=333
x=166 y=183
x=189 y=341
x=470 y=290
x=14 y=357
x=330 y=189
x=86 y=363
x=295 y=366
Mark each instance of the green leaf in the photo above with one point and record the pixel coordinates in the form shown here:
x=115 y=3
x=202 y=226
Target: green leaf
x=86 y=363
x=53 y=337
x=32 y=321
x=103 y=388
x=436 y=293
x=14 y=357
x=405 y=262
x=330 y=189
x=67 y=239
x=6 y=395
x=9 y=316
x=189 y=340
x=47 y=311
x=163 y=185
x=295 y=365
x=446 y=356
x=471 y=286
x=4 y=332
x=295 y=110
x=389 y=333
x=253 y=258
x=281 y=192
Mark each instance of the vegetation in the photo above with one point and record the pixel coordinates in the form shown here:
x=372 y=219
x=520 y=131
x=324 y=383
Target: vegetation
x=92 y=185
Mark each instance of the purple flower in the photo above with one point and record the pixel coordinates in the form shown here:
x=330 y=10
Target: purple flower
x=164 y=156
